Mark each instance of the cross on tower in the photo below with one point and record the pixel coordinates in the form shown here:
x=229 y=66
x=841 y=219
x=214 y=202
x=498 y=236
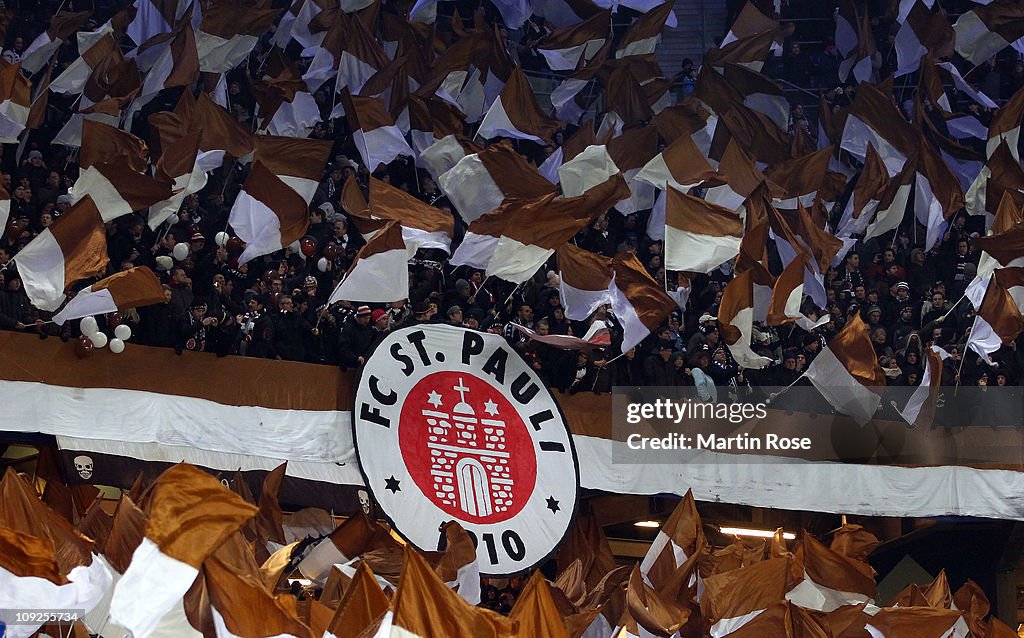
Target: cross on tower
x=462 y=390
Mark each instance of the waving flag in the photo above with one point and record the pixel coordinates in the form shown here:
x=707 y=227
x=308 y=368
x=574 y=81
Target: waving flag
x=514 y=240
x=643 y=36
x=272 y=209
x=568 y=48
x=920 y=408
x=847 y=374
x=736 y=320
x=380 y=271
x=985 y=30
x=423 y=225
x=228 y=32
x=516 y=114
x=479 y=182
x=61 y=27
x=73 y=248
x=378 y=139
x=190 y=515
x=132 y=288
x=699 y=236
x=15 y=102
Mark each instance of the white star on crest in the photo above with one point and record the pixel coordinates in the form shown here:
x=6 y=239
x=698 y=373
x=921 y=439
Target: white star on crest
x=435 y=399
x=491 y=407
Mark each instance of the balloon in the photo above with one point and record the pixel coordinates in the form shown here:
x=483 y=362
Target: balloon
x=221 y=238
x=322 y=264
x=116 y=345
x=163 y=262
x=99 y=339
x=294 y=246
x=331 y=250
x=308 y=246
x=83 y=347
x=123 y=332
x=235 y=246
x=180 y=251
x=173 y=219
x=88 y=326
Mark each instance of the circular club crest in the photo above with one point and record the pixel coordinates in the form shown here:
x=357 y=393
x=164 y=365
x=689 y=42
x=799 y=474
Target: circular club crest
x=452 y=424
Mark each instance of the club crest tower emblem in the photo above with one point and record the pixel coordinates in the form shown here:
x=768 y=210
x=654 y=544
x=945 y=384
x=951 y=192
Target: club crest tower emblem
x=451 y=424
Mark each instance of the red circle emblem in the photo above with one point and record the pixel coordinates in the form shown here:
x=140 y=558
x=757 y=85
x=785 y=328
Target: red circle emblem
x=466 y=447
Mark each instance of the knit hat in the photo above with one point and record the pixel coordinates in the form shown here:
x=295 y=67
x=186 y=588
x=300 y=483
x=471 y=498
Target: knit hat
x=362 y=311
x=377 y=315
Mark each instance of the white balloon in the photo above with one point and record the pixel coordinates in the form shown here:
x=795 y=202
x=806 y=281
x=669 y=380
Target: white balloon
x=173 y=219
x=295 y=246
x=221 y=238
x=88 y=326
x=98 y=339
x=322 y=264
x=116 y=345
x=163 y=262
x=122 y=332
x=180 y=251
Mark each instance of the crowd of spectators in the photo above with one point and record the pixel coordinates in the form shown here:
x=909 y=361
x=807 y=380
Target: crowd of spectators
x=276 y=306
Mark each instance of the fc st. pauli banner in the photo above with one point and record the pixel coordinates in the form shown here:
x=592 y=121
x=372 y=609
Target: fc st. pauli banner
x=452 y=424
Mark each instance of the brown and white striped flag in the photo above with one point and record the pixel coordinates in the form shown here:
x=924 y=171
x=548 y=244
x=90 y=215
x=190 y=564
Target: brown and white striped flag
x=998 y=320
x=479 y=182
x=638 y=301
x=422 y=225
x=348 y=52
x=374 y=131
x=925 y=31
x=177 y=64
x=220 y=134
x=679 y=539
x=354 y=537
x=985 y=30
x=422 y=601
x=733 y=598
x=271 y=210
x=228 y=32
x=828 y=578
x=361 y=608
x=923 y=622
x=73 y=79
x=788 y=294
x=15 y=102
x=190 y=515
x=242 y=608
x=873 y=119
x=736 y=320
x=699 y=235
x=514 y=240
x=1005 y=125
x=177 y=166
x=919 y=410
x=643 y=36
x=847 y=374
x=132 y=288
x=73 y=248
x=867 y=195
x=1001 y=173
x=937 y=192
x=571 y=47
x=585 y=278
x=681 y=165
x=113 y=164
x=379 y=270
x=61 y=27
x=515 y=113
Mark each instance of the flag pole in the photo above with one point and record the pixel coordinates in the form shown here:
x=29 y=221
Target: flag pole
x=775 y=395
x=943 y=317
